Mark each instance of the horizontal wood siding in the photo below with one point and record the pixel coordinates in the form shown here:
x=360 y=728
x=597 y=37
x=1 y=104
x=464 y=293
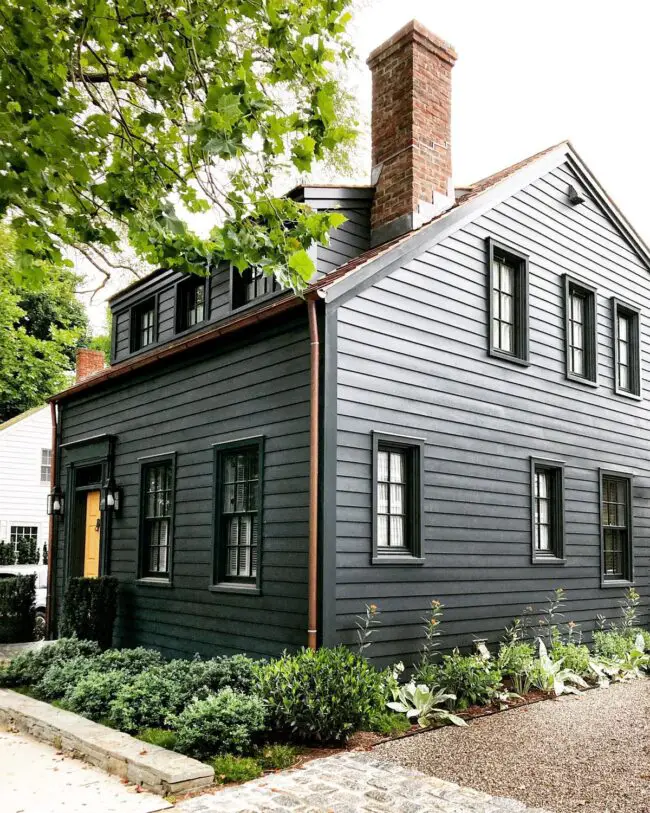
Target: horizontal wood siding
x=256 y=384
x=412 y=360
x=346 y=242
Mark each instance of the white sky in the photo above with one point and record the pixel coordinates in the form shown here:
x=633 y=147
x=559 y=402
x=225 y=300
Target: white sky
x=529 y=74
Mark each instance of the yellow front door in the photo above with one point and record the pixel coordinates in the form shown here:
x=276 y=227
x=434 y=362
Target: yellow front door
x=93 y=522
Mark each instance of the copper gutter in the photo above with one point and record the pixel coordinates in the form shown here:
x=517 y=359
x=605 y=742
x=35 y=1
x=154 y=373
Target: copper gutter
x=312 y=588
x=49 y=603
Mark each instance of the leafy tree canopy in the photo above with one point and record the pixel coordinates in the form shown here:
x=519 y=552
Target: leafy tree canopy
x=118 y=117
x=39 y=332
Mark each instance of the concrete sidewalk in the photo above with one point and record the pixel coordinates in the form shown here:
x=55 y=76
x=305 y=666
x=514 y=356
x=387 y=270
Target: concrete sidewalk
x=35 y=778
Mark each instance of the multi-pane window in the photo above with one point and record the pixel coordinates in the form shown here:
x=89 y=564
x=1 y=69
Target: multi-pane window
x=23 y=533
x=580 y=319
x=508 y=292
x=547 y=510
x=250 y=285
x=239 y=514
x=46 y=465
x=627 y=358
x=392 y=487
x=190 y=303
x=157 y=506
x=397 y=499
x=616 y=531
x=143 y=325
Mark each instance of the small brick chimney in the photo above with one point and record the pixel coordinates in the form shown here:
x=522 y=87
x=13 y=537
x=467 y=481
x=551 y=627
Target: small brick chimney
x=88 y=362
x=411 y=130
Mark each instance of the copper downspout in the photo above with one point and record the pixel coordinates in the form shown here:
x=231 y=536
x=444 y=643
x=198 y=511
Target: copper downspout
x=49 y=604
x=313 y=476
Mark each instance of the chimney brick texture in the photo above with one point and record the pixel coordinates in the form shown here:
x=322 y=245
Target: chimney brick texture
x=88 y=362
x=411 y=125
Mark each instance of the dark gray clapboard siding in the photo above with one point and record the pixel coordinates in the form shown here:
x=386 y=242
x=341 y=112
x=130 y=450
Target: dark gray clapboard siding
x=346 y=242
x=257 y=383
x=412 y=360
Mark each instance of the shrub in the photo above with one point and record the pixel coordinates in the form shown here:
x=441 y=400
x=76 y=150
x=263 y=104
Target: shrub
x=17 y=613
x=389 y=723
x=89 y=609
x=612 y=644
x=28 y=668
x=199 y=678
x=62 y=676
x=515 y=658
x=148 y=701
x=159 y=736
x=575 y=657
x=323 y=694
x=224 y=722
x=278 y=757
x=472 y=679
x=427 y=673
x=93 y=694
x=130 y=661
x=228 y=768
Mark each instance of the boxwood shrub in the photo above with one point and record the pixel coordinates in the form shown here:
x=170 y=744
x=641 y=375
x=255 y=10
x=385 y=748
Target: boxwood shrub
x=150 y=700
x=28 y=668
x=94 y=693
x=227 y=722
x=17 y=613
x=89 y=609
x=323 y=695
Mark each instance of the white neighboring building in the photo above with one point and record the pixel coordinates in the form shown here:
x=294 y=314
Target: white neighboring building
x=25 y=461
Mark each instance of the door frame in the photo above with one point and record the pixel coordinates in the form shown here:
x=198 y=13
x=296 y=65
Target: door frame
x=95 y=451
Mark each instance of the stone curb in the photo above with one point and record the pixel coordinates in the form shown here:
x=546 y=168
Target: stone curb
x=150 y=766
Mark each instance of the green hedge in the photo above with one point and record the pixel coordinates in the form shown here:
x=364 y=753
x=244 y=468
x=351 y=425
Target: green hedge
x=17 y=612
x=89 y=609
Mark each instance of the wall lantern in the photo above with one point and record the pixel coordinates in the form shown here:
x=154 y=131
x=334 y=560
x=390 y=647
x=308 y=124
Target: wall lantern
x=111 y=497
x=55 y=503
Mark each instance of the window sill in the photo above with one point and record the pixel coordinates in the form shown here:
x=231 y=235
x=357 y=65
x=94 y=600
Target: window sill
x=577 y=379
x=625 y=394
x=604 y=583
x=548 y=560
x=498 y=354
x=153 y=581
x=398 y=560
x=242 y=589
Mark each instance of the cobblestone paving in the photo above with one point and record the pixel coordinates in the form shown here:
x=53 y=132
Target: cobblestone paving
x=351 y=783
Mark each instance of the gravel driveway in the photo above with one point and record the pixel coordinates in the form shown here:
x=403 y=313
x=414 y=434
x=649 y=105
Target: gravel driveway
x=578 y=754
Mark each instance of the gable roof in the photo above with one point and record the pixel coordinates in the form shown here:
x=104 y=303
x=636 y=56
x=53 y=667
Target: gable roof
x=18 y=418
x=473 y=201
x=362 y=271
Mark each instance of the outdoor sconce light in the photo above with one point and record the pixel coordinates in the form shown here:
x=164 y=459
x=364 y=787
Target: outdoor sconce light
x=55 y=503
x=111 y=497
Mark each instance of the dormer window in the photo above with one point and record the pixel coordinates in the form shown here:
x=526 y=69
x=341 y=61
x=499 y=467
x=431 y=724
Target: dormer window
x=190 y=303
x=143 y=324
x=250 y=285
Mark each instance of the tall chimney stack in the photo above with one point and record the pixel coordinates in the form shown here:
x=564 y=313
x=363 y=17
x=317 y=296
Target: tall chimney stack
x=411 y=130
x=89 y=362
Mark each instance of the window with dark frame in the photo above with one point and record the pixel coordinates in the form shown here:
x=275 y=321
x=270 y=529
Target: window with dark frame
x=143 y=324
x=238 y=531
x=157 y=507
x=547 y=510
x=190 y=303
x=46 y=465
x=397 y=498
x=508 y=303
x=581 y=338
x=627 y=366
x=23 y=533
x=250 y=285
x=616 y=523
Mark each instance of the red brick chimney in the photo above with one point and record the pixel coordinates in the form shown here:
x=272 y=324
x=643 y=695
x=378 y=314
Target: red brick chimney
x=411 y=130
x=88 y=362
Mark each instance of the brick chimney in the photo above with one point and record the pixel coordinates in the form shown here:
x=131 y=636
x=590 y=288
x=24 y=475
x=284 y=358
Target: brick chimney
x=411 y=130
x=88 y=362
